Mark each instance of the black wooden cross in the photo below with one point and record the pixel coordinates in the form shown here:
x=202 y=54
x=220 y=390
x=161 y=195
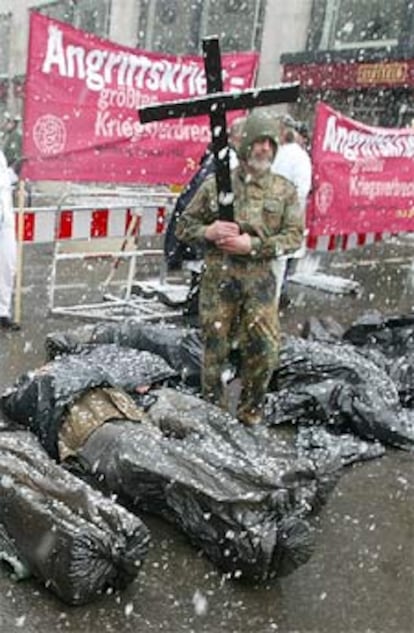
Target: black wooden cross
x=216 y=104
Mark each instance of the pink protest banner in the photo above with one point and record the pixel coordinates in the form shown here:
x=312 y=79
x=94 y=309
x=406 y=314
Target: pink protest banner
x=81 y=99
x=363 y=177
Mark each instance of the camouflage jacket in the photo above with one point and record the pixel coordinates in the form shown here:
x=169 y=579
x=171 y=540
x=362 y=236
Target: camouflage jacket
x=266 y=208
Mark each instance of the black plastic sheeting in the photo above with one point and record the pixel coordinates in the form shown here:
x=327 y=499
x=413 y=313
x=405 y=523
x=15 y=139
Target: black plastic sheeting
x=73 y=539
x=40 y=398
x=335 y=385
x=180 y=348
x=240 y=496
x=394 y=338
x=244 y=496
x=360 y=381
x=322 y=445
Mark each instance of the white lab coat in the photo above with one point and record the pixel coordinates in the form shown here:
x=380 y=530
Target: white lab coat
x=7 y=240
x=294 y=163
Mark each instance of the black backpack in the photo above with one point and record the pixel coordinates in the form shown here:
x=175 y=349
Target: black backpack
x=176 y=251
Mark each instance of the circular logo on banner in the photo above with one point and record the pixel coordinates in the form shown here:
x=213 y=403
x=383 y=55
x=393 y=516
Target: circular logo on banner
x=49 y=134
x=324 y=197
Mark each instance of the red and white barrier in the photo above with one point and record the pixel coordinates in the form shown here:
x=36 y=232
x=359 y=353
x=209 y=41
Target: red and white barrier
x=48 y=225
x=343 y=242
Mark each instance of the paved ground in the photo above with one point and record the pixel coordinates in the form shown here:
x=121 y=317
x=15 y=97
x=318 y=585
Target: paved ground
x=361 y=577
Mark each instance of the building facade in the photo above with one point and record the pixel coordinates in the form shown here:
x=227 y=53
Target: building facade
x=357 y=55
x=170 y=26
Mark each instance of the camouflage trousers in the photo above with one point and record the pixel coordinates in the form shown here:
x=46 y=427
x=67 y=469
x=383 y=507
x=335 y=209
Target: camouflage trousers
x=238 y=310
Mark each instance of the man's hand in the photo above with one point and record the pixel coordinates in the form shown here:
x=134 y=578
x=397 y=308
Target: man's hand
x=220 y=230
x=236 y=245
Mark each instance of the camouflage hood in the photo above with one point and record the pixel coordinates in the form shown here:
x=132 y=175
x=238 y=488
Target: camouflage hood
x=258 y=125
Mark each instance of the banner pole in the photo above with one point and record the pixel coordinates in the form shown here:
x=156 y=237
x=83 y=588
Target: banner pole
x=19 y=254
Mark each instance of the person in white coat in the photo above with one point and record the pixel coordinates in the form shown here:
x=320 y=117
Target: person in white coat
x=293 y=162
x=7 y=248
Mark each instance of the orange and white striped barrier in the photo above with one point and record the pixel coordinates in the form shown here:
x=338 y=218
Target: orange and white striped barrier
x=112 y=219
x=326 y=243
x=47 y=224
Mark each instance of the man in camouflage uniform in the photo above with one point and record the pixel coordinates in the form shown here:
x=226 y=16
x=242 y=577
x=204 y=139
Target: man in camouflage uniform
x=237 y=295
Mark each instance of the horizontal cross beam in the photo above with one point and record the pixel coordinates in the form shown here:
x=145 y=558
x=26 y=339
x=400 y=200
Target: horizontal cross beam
x=285 y=93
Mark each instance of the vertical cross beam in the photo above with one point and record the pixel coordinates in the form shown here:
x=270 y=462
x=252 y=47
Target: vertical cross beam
x=218 y=126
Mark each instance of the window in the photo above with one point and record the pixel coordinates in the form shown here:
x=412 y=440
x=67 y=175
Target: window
x=178 y=26
x=342 y=24
x=368 y=22
x=5 y=24
x=169 y=26
x=236 y=22
x=88 y=15
x=235 y=6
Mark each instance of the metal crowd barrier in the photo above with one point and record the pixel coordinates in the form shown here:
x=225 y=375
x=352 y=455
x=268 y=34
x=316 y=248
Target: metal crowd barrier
x=92 y=241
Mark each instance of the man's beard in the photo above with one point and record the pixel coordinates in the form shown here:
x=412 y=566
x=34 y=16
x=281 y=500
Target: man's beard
x=259 y=165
